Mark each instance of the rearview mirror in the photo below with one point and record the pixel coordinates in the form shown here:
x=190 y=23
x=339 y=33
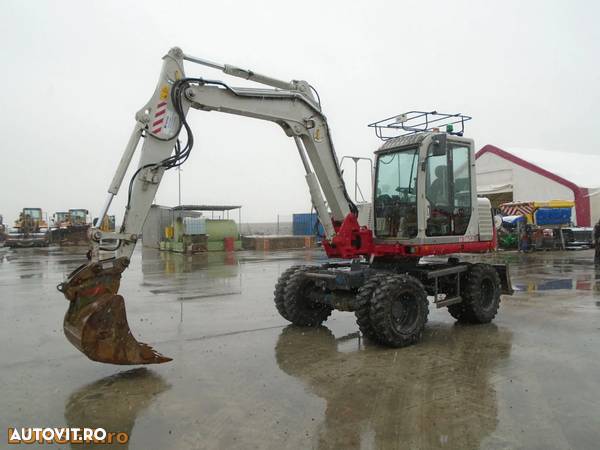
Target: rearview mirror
x=438 y=146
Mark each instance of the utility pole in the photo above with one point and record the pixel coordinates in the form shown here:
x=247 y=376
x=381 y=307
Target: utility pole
x=179 y=189
x=179 y=176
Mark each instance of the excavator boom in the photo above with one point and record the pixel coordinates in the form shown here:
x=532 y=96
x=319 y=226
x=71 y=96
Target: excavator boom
x=96 y=322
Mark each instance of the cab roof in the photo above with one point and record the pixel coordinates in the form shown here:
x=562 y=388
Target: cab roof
x=409 y=140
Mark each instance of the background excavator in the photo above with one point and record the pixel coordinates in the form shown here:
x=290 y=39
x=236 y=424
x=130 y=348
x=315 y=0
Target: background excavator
x=424 y=203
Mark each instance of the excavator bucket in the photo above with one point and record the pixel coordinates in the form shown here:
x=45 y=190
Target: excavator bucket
x=96 y=322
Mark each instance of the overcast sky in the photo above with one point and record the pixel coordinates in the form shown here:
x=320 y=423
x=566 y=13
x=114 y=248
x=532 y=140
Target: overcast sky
x=75 y=72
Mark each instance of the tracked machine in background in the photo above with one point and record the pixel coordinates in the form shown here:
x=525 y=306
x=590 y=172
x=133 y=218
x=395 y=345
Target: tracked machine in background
x=424 y=204
x=30 y=230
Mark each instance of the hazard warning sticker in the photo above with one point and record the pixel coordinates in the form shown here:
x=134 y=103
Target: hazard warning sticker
x=165 y=122
x=160 y=114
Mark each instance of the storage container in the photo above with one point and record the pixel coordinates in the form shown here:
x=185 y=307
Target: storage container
x=219 y=229
x=305 y=224
x=553 y=216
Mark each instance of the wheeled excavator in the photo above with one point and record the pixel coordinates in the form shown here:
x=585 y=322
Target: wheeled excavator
x=425 y=210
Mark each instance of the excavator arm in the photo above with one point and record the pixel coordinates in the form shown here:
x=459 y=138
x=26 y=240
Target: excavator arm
x=96 y=321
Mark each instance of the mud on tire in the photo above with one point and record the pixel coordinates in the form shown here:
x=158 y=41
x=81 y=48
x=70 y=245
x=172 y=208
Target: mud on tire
x=279 y=292
x=399 y=310
x=363 y=299
x=299 y=307
x=481 y=296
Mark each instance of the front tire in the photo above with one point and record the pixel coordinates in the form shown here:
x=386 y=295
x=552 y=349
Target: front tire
x=300 y=306
x=363 y=310
x=279 y=293
x=481 y=296
x=399 y=310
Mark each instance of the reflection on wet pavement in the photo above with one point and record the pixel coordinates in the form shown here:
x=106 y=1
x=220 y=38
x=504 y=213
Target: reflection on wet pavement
x=243 y=378
x=114 y=402
x=549 y=285
x=413 y=396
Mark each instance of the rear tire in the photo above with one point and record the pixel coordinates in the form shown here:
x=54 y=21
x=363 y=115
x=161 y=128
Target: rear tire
x=399 y=310
x=279 y=293
x=363 y=300
x=299 y=307
x=481 y=296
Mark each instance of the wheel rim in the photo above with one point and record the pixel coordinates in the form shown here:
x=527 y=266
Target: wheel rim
x=404 y=312
x=487 y=293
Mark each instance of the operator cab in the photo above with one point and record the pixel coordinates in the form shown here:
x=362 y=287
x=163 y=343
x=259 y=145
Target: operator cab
x=78 y=216
x=59 y=217
x=34 y=213
x=424 y=185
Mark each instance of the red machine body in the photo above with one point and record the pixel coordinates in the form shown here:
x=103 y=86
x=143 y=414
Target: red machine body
x=353 y=240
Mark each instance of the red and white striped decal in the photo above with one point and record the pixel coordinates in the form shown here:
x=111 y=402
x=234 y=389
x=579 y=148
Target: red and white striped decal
x=515 y=209
x=159 y=117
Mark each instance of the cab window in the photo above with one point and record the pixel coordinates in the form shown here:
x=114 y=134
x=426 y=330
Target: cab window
x=448 y=192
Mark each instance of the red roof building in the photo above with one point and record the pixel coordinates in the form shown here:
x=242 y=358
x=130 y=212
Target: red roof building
x=521 y=175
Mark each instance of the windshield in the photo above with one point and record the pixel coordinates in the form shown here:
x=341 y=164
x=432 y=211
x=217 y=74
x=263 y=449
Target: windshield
x=78 y=212
x=396 y=194
x=34 y=213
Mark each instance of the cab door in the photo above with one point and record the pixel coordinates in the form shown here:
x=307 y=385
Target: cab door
x=448 y=190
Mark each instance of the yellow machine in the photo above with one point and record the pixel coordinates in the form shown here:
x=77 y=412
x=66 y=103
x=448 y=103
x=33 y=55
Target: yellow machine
x=70 y=227
x=108 y=224
x=71 y=218
x=30 y=230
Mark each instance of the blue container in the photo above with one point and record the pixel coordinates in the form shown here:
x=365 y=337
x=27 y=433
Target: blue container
x=553 y=216
x=306 y=225
x=512 y=221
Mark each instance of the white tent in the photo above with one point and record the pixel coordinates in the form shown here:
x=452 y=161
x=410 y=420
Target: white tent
x=518 y=174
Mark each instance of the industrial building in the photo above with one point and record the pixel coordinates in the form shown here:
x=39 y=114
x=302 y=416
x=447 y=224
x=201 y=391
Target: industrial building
x=523 y=175
x=162 y=232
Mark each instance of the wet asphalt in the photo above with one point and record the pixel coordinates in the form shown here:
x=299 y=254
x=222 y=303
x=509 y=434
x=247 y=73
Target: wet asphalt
x=242 y=377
